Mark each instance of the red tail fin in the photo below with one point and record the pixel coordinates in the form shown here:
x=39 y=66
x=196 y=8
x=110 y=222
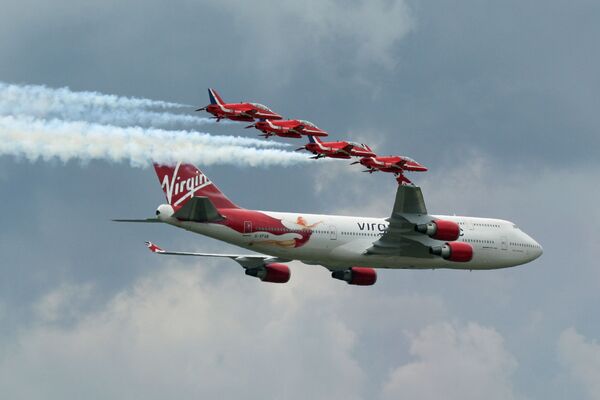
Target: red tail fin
x=214 y=97
x=314 y=139
x=183 y=181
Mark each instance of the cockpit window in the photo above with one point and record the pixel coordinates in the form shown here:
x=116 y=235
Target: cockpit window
x=515 y=226
x=261 y=107
x=307 y=123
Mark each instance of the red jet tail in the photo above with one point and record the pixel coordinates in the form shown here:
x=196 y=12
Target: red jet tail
x=314 y=139
x=214 y=97
x=184 y=181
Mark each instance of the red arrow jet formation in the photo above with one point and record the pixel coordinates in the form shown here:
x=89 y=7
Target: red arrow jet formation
x=273 y=124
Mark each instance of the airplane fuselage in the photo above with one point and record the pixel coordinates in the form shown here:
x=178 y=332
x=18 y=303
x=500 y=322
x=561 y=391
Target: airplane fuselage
x=342 y=241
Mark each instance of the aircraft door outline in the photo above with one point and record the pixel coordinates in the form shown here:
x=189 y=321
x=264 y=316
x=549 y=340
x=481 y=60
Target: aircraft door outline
x=332 y=232
x=247 y=228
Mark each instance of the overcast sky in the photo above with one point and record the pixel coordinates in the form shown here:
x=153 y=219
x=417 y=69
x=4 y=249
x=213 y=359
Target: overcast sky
x=499 y=99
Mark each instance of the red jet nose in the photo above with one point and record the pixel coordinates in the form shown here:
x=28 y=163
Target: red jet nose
x=415 y=166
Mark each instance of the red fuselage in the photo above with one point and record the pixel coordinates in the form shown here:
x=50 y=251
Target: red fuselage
x=339 y=149
x=241 y=112
x=288 y=128
x=393 y=164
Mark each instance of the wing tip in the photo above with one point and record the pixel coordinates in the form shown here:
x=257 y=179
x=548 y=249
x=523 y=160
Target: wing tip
x=154 y=248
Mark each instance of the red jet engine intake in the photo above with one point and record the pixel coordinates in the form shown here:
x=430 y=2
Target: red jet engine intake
x=454 y=251
x=276 y=273
x=440 y=230
x=362 y=276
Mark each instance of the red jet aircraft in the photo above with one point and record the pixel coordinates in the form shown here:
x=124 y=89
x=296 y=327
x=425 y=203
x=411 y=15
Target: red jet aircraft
x=336 y=149
x=237 y=111
x=393 y=164
x=291 y=128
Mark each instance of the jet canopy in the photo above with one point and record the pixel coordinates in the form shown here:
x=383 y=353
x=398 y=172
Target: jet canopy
x=356 y=144
x=261 y=107
x=307 y=123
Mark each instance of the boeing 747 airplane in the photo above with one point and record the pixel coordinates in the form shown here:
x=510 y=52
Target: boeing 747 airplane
x=350 y=247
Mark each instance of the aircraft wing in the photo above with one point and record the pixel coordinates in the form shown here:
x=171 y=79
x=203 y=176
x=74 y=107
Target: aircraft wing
x=400 y=238
x=245 y=260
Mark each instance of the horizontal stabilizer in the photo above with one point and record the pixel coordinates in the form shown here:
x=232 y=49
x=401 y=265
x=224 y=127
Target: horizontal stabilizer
x=198 y=209
x=147 y=220
x=245 y=260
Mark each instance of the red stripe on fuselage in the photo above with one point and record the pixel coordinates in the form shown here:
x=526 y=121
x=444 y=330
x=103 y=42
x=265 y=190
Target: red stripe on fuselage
x=238 y=219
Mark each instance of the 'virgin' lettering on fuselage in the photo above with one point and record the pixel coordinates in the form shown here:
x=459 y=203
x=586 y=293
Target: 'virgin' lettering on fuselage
x=373 y=226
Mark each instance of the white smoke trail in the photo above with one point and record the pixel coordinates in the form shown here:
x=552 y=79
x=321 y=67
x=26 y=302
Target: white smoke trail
x=95 y=99
x=34 y=139
x=43 y=102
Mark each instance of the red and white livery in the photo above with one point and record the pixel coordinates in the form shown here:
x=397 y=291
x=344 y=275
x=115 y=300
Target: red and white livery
x=343 y=149
x=350 y=247
x=237 y=111
x=290 y=128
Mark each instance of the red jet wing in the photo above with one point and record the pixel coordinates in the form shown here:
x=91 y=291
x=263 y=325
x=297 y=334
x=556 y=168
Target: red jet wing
x=275 y=128
x=308 y=128
x=396 y=165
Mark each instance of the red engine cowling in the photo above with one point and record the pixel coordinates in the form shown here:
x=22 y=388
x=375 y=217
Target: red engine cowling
x=276 y=273
x=362 y=276
x=440 y=230
x=454 y=251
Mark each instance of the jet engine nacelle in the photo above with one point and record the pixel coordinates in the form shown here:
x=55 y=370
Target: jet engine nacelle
x=440 y=230
x=362 y=276
x=276 y=273
x=454 y=251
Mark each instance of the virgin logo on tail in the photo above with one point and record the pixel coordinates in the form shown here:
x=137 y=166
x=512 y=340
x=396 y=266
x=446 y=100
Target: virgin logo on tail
x=178 y=188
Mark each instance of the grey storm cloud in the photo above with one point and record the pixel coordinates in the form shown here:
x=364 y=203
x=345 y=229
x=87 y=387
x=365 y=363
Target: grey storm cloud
x=498 y=100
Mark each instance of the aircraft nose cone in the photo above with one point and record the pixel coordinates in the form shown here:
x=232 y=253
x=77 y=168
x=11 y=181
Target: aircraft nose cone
x=537 y=251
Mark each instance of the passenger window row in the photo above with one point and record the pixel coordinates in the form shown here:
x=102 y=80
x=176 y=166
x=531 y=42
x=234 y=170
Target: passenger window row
x=488 y=225
x=523 y=245
x=479 y=241
x=361 y=234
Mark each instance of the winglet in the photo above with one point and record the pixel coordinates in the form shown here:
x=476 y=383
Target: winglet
x=154 y=248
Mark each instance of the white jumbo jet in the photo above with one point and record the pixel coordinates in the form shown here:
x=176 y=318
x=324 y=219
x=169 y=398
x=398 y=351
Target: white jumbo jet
x=350 y=247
